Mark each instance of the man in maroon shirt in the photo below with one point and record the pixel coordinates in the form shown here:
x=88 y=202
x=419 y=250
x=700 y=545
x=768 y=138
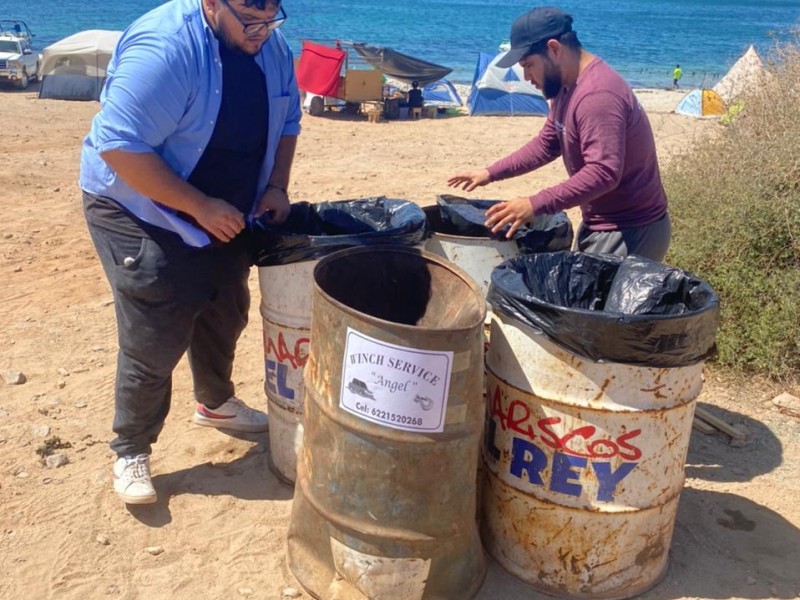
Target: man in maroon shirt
x=602 y=133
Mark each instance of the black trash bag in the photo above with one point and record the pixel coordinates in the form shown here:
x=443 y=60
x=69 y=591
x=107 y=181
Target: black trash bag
x=464 y=216
x=610 y=309
x=313 y=231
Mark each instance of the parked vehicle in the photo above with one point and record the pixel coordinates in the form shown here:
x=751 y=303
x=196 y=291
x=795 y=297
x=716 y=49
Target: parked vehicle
x=19 y=64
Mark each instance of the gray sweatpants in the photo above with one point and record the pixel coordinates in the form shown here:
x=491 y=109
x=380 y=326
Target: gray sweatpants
x=169 y=298
x=651 y=241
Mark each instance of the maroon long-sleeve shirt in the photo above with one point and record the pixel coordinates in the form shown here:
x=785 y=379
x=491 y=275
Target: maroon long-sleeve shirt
x=607 y=144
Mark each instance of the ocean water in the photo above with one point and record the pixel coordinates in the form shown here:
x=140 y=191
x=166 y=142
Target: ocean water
x=642 y=39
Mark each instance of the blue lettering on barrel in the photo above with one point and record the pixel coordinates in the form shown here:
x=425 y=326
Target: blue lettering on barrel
x=276 y=374
x=270 y=364
x=564 y=474
x=609 y=479
x=491 y=430
x=566 y=469
x=527 y=457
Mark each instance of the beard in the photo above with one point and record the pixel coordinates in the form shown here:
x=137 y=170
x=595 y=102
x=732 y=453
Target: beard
x=553 y=82
x=250 y=46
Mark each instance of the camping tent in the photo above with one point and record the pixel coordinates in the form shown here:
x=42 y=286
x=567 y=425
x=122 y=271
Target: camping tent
x=746 y=73
x=498 y=91
x=701 y=103
x=441 y=93
x=75 y=67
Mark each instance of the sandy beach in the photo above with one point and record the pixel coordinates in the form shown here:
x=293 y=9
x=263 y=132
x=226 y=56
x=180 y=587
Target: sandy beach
x=219 y=528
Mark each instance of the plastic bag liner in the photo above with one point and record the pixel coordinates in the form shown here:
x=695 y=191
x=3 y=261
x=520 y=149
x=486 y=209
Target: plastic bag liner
x=465 y=216
x=610 y=309
x=313 y=231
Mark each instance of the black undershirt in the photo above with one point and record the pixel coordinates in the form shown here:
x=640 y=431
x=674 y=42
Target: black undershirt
x=231 y=163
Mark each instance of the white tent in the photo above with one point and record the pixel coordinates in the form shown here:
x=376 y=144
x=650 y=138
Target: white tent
x=75 y=68
x=746 y=74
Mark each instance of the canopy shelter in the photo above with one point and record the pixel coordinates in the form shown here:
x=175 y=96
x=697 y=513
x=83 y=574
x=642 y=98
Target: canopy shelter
x=75 y=68
x=400 y=66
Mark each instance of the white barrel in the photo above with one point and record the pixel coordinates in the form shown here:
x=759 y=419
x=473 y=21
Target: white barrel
x=478 y=256
x=286 y=292
x=584 y=465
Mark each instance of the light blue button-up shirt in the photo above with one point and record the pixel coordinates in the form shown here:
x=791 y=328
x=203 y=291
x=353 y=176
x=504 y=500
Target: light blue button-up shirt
x=163 y=94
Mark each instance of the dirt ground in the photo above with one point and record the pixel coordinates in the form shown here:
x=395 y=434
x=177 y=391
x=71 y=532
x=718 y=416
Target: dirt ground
x=222 y=517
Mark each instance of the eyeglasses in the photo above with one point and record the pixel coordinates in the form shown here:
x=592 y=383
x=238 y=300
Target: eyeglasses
x=255 y=28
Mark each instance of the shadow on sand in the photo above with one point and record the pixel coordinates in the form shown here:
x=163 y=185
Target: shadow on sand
x=713 y=458
x=247 y=478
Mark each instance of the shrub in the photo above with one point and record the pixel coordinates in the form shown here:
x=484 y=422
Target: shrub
x=735 y=205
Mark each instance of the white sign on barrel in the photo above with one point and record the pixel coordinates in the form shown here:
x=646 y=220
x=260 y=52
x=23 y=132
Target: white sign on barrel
x=396 y=386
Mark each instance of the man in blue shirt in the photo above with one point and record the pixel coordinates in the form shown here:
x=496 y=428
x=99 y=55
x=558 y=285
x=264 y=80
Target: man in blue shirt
x=195 y=137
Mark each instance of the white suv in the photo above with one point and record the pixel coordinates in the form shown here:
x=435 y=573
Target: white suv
x=19 y=64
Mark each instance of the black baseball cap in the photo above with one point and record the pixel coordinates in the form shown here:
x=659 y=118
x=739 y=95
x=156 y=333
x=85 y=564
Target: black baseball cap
x=535 y=26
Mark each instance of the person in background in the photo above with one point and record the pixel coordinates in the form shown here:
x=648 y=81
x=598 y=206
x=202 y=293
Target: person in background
x=196 y=135
x=676 y=76
x=600 y=130
x=415 y=99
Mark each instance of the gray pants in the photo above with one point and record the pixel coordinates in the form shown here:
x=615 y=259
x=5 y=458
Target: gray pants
x=651 y=241
x=169 y=298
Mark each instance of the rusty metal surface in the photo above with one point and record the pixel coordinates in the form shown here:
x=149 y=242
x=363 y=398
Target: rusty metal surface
x=286 y=317
x=606 y=461
x=584 y=465
x=570 y=553
x=529 y=361
x=379 y=512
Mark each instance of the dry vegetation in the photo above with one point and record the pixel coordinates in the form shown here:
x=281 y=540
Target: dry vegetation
x=735 y=200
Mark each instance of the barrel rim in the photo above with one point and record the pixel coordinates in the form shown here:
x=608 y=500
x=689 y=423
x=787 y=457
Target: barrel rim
x=433 y=232
x=472 y=238
x=429 y=256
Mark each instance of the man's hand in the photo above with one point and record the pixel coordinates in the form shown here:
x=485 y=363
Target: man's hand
x=219 y=218
x=515 y=212
x=275 y=201
x=469 y=180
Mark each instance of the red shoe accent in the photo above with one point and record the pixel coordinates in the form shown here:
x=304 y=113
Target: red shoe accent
x=206 y=412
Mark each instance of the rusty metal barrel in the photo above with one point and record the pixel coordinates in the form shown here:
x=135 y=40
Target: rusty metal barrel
x=584 y=458
x=385 y=497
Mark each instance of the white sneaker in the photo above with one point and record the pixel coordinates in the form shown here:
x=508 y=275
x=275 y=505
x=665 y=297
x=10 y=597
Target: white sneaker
x=234 y=415
x=132 y=479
